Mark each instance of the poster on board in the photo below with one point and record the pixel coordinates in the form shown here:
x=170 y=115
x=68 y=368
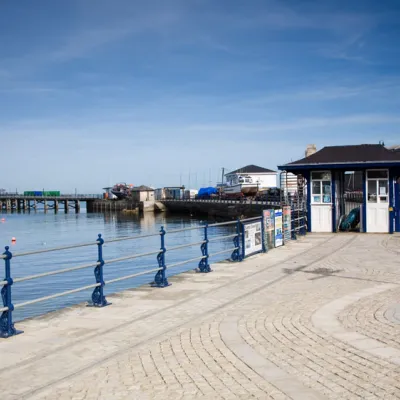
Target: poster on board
x=287 y=224
x=269 y=229
x=252 y=238
x=278 y=228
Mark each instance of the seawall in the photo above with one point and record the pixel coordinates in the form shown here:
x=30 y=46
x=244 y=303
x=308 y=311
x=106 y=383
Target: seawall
x=218 y=209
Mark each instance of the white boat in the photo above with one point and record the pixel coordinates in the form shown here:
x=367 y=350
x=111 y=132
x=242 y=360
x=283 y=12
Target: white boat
x=241 y=184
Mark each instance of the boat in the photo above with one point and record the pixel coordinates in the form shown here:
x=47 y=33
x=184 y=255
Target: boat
x=240 y=185
x=121 y=190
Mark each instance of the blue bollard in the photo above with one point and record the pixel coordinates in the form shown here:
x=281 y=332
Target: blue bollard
x=160 y=279
x=204 y=266
x=237 y=255
x=98 y=299
x=7 y=328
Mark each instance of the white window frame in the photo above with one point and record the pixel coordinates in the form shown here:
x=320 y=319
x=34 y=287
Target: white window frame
x=376 y=180
x=321 y=202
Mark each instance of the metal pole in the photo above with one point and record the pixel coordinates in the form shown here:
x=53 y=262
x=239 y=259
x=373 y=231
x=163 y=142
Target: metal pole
x=204 y=266
x=98 y=299
x=237 y=255
x=160 y=279
x=7 y=328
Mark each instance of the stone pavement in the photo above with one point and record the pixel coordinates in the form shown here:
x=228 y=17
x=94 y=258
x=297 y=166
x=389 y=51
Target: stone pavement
x=316 y=319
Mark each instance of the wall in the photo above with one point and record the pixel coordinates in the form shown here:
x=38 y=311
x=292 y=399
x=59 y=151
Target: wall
x=143 y=196
x=222 y=210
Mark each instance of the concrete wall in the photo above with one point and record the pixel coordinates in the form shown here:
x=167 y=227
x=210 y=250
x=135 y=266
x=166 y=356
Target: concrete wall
x=216 y=209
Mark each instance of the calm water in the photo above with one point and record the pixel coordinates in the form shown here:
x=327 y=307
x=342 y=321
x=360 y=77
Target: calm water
x=40 y=231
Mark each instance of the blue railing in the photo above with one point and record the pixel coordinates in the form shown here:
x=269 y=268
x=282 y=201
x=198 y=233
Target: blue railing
x=98 y=298
x=297 y=226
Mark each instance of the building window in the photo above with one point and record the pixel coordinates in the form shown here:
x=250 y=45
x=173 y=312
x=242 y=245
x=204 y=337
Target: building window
x=321 y=190
x=378 y=186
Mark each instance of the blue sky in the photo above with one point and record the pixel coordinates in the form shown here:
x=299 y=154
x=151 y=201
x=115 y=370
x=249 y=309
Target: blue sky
x=96 y=91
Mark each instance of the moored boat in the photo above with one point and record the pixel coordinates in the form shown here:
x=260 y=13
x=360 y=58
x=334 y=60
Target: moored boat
x=121 y=190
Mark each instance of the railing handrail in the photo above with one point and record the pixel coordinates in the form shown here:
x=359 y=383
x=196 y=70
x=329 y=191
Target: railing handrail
x=160 y=279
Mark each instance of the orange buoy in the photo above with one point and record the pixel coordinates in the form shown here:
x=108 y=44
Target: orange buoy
x=13 y=239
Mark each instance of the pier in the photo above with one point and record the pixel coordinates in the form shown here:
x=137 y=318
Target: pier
x=17 y=202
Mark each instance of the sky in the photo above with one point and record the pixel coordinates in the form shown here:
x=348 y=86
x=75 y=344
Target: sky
x=155 y=92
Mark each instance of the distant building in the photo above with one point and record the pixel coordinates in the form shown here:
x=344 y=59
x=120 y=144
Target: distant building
x=262 y=177
x=142 y=193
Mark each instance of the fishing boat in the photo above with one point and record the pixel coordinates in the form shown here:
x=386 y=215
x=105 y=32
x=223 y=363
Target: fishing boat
x=121 y=190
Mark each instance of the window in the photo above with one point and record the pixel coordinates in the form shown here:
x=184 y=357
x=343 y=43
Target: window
x=376 y=174
x=321 y=190
x=372 y=198
x=377 y=186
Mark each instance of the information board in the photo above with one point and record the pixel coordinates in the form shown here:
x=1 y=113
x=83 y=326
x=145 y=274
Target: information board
x=278 y=228
x=269 y=229
x=252 y=238
x=287 y=224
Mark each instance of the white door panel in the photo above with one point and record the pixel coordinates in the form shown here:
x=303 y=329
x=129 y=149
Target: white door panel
x=321 y=218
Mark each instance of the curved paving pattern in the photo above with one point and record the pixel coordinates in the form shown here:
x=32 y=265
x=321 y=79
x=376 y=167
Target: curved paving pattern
x=285 y=325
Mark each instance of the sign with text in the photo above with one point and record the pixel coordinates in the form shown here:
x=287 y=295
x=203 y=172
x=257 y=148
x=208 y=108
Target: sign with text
x=278 y=228
x=252 y=238
x=287 y=224
x=269 y=229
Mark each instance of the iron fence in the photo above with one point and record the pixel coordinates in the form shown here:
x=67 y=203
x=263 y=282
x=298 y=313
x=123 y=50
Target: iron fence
x=160 y=266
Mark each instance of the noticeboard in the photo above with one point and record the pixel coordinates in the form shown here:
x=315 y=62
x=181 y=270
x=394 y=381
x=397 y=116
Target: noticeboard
x=287 y=224
x=252 y=238
x=269 y=229
x=278 y=228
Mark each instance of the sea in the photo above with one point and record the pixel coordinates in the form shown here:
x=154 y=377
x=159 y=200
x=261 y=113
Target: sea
x=40 y=231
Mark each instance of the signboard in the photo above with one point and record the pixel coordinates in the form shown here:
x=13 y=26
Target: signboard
x=287 y=223
x=278 y=228
x=269 y=229
x=252 y=238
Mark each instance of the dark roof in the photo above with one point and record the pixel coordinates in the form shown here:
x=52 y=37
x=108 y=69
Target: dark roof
x=251 y=169
x=362 y=153
x=142 y=188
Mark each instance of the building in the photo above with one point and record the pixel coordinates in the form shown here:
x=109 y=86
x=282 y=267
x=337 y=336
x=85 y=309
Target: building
x=142 y=193
x=264 y=178
x=326 y=173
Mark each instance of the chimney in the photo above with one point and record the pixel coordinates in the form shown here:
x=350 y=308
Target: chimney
x=311 y=149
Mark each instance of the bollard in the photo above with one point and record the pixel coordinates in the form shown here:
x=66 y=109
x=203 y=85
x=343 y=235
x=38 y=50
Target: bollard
x=237 y=255
x=98 y=299
x=160 y=279
x=7 y=328
x=204 y=266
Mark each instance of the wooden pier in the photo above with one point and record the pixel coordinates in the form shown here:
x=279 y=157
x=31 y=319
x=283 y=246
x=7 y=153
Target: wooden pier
x=15 y=202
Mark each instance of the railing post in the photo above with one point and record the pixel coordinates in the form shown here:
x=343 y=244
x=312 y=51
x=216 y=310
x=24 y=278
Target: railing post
x=7 y=328
x=237 y=254
x=160 y=279
x=293 y=224
x=98 y=299
x=204 y=266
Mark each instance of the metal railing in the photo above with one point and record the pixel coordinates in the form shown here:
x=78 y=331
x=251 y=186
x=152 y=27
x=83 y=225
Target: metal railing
x=98 y=298
x=237 y=253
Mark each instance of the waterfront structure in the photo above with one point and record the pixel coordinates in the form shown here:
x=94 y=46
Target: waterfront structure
x=142 y=193
x=17 y=202
x=325 y=172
